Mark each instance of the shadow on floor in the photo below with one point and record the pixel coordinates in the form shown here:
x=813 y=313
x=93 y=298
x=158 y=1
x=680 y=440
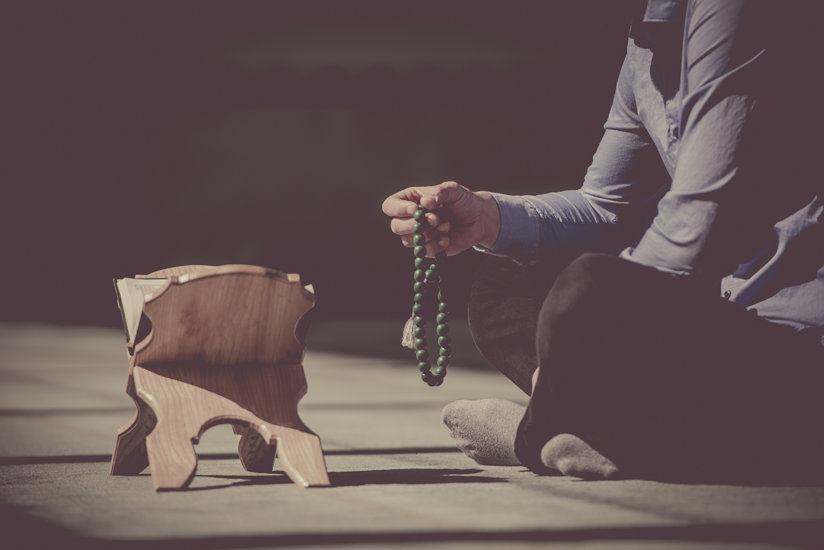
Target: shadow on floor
x=21 y=531
x=410 y=476
x=402 y=476
x=85 y=459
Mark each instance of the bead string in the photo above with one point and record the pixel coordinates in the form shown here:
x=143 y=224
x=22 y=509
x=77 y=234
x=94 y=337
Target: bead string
x=422 y=280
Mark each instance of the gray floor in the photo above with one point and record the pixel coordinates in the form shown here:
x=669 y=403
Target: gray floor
x=398 y=480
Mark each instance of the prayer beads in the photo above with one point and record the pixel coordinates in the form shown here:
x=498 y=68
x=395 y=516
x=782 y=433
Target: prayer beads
x=422 y=280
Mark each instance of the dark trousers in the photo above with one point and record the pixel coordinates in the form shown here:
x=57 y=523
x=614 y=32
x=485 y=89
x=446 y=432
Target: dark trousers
x=656 y=372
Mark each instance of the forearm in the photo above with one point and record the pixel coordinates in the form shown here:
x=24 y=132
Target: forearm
x=531 y=225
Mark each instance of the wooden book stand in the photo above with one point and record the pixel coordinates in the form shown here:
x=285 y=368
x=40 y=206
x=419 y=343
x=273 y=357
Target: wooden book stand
x=225 y=346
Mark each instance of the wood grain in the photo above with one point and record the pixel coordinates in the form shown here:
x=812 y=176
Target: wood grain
x=223 y=349
x=226 y=315
x=130 y=457
x=173 y=271
x=188 y=399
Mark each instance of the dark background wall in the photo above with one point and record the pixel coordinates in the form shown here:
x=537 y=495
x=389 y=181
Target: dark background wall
x=141 y=135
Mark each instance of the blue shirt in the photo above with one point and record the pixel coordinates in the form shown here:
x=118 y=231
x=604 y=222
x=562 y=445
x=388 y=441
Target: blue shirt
x=704 y=168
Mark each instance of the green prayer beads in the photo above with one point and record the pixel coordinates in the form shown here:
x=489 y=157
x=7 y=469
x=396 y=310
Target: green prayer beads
x=422 y=279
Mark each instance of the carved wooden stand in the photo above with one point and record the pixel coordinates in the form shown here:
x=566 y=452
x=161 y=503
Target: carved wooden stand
x=225 y=346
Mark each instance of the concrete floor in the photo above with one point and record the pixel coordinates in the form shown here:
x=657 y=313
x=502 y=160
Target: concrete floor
x=398 y=480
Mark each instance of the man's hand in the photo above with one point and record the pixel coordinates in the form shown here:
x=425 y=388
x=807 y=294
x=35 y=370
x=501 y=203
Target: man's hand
x=460 y=218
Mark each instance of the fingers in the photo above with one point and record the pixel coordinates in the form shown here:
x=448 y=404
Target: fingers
x=436 y=235
x=444 y=228
x=403 y=203
x=435 y=197
x=404 y=226
x=431 y=236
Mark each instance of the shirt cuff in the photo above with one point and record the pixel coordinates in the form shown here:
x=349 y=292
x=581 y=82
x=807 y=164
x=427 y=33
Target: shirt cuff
x=632 y=254
x=519 y=235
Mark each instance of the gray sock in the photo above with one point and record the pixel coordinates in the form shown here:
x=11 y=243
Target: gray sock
x=485 y=429
x=572 y=456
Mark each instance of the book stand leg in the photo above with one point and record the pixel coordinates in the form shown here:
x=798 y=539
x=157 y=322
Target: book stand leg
x=129 y=457
x=177 y=403
x=255 y=454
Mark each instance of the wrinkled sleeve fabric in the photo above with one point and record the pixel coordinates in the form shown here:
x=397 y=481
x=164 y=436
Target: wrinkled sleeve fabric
x=705 y=210
x=621 y=187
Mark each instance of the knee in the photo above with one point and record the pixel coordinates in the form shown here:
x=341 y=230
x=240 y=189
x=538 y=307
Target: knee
x=587 y=271
x=491 y=289
x=503 y=312
x=505 y=295
x=573 y=321
x=583 y=283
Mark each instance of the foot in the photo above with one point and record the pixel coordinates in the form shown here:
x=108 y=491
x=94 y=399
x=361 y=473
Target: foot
x=572 y=456
x=485 y=429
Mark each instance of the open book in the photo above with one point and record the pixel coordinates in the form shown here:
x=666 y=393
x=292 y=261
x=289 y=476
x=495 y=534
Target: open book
x=131 y=295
